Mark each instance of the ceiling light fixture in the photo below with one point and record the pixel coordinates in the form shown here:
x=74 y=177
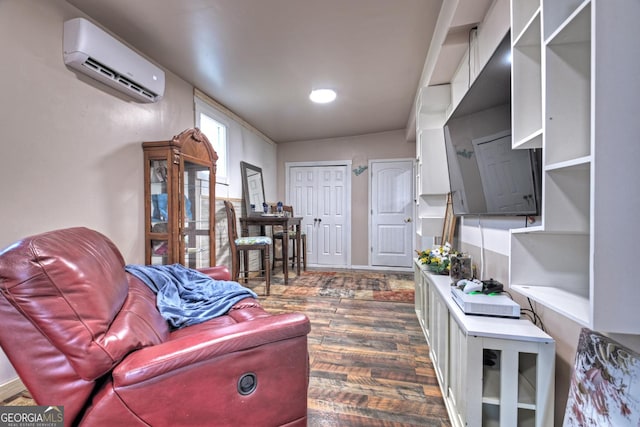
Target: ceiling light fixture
x=322 y=96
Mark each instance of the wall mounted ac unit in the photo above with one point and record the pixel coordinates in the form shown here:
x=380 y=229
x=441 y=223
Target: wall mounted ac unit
x=92 y=51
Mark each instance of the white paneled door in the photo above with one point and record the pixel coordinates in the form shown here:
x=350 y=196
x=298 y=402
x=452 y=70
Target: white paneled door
x=319 y=195
x=505 y=188
x=392 y=213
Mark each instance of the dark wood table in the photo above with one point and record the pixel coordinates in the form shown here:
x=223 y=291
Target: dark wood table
x=285 y=222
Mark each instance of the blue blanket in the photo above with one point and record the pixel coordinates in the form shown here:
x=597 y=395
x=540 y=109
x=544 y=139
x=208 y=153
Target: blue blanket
x=186 y=297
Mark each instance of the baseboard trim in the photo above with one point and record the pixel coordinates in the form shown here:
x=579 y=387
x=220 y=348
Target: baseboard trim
x=380 y=268
x=11 y=388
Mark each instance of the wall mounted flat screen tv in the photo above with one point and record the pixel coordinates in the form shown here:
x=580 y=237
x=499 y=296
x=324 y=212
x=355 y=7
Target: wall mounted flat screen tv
x=487 y=176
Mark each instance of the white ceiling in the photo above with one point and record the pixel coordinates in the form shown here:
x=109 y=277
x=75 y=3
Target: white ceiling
x=261 y=58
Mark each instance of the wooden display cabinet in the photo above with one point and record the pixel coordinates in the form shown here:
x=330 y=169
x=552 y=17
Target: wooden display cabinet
x=179 y=194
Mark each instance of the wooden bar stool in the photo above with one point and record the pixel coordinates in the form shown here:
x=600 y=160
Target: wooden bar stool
x=278 y=235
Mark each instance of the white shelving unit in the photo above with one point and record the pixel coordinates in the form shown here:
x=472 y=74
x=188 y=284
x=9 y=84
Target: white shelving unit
x=574 y=92
x=517 y=390
x=433 y=176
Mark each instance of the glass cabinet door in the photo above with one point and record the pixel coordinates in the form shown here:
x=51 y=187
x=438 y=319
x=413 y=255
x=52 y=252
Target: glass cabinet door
x=196 y=231
x=159 y=212
x=179 y=187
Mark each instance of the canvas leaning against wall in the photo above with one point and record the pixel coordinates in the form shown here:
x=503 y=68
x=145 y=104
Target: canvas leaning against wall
x=605 y=384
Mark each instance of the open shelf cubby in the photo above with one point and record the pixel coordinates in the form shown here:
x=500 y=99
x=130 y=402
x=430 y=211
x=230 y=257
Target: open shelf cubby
x=566 y=206
x=527 y=86
x=555 y=273
x=568 y=91
x=558 y=12
x=521 y=13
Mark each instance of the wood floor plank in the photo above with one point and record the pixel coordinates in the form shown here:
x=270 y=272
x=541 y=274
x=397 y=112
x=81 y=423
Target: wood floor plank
x=339 y=414
x=370 y=362
x=372 y=386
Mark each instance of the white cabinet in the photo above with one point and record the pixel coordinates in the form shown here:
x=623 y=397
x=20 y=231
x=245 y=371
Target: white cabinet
x=422 y=300
x=432 y=104
x=457 y=381
x=432 y=173
x=439 y=322
x=434 y=177
x=514 y=389
x=575 y=85
x=492 y=371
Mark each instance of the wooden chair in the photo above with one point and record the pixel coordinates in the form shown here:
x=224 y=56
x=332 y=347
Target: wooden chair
x=242 y=245
x=278 y=235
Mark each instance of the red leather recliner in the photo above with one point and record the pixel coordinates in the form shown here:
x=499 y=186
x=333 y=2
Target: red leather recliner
x=83 y=333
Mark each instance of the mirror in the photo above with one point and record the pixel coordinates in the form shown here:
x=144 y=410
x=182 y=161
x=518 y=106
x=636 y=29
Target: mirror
x=252 y=188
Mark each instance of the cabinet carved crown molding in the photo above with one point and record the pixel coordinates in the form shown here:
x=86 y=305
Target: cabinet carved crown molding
x=179 y=180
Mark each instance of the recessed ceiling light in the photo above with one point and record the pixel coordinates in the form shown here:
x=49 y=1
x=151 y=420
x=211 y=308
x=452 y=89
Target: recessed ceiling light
x=322 y=96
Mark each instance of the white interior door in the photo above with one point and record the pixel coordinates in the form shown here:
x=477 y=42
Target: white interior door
x=392 y=213
x=504 y=190
x=319 y=195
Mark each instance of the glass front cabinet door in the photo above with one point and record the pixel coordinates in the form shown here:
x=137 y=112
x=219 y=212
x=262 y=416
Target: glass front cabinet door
x=179 y=182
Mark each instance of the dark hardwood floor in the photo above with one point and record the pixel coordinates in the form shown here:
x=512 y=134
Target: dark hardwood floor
x=370 y=363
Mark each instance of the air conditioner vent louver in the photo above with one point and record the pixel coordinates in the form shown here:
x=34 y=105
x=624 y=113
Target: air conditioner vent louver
x=94 y=52
x=131 y=85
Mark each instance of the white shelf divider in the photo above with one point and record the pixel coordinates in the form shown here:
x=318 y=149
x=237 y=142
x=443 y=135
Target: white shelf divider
x=575 y=307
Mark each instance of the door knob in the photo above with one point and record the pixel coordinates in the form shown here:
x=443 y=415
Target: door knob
x=407 y=220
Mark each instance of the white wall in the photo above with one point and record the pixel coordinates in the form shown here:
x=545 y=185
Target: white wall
x=71 y=147
x=255 y=150
x=359 y=149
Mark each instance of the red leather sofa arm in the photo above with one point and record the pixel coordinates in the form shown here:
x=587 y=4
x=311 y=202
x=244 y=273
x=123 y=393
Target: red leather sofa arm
x=83 y=333
x=190 y=349
x=219 y=272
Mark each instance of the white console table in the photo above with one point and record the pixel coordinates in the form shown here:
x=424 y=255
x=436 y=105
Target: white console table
x=517 y=390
